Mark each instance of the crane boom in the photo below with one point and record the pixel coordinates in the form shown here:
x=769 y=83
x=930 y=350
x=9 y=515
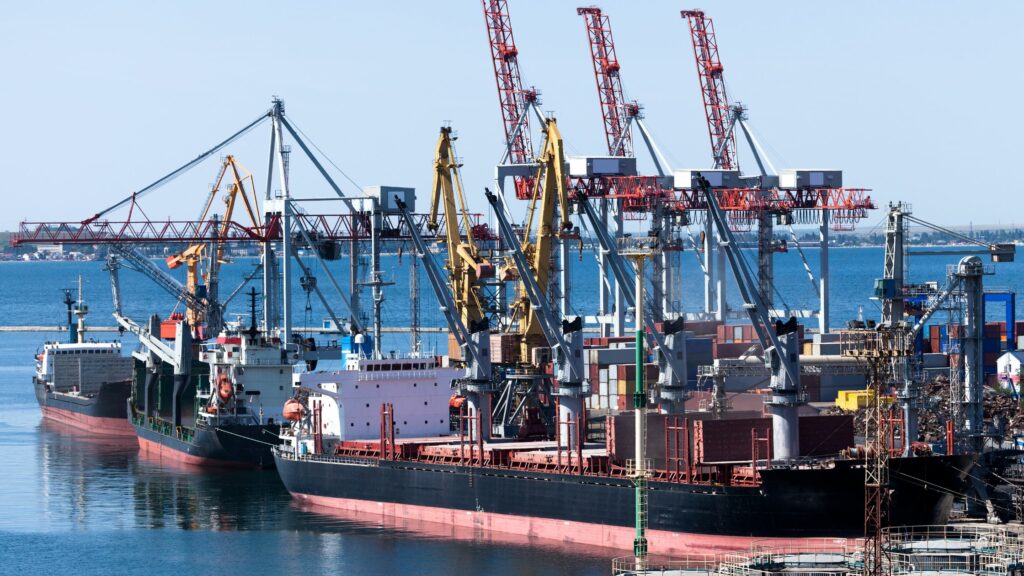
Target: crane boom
x=617 y=113
x=514 y=101
x=551 y=186
x=466 y=266
x=162 y=279
x=720 y=115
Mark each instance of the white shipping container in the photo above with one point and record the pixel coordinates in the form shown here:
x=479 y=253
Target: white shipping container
x=810 y=178
x=602 y=402
x=589 y=166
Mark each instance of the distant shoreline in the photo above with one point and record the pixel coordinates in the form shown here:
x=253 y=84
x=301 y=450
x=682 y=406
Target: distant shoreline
x=808 y=245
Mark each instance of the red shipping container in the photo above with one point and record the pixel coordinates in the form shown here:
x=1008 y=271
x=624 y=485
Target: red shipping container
x=994 y=329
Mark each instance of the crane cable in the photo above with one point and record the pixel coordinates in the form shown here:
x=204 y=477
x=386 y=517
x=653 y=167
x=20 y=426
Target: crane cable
x=179 y=171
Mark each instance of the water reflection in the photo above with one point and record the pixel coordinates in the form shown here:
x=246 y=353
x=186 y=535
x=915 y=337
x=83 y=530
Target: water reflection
x=98 y=483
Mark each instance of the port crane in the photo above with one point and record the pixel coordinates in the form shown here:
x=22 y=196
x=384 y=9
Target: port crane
x=209 y=318
x=563 y=336
x=543 y=225
x=466 y=265
x=629 y=195
x=284 y=228
x=471 y=334
x=963 y=295
x=767 y=199
x=779 y=340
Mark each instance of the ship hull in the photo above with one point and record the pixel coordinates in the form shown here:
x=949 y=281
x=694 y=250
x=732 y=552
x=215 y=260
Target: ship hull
x=599 y=511
x=226 y=446
x=101 y=414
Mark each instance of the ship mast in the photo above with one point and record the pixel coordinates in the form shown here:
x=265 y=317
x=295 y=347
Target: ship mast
x=80 y=311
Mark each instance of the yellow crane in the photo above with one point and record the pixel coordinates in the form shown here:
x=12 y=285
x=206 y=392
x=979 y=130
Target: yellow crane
x=466 y=265
x=550 y=186
x=203 y=268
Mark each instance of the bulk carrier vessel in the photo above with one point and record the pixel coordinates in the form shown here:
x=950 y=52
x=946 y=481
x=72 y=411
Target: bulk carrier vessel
x=580 y=495
x=83 y=384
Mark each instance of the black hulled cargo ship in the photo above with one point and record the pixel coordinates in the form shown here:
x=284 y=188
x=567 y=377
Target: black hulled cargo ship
x=224 y=411
x=83 y=384
x=584 y=495
x=598 y=508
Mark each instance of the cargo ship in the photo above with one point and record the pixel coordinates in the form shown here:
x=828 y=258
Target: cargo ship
x=83 y=384
x=225 y=409
x=583 y=495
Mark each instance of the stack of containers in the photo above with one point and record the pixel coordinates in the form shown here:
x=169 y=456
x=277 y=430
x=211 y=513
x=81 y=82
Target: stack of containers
x=612 y=365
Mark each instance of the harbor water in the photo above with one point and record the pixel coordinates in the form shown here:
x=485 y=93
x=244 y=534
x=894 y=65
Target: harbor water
x=87 y=505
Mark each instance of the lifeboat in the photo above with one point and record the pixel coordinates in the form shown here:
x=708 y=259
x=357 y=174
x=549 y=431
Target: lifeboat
x=293 y=410
x=224 y=388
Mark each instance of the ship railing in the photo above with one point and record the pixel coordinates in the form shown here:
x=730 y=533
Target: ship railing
x=951 y=562
x=249 y=361
x=396 y=375
x=975 y=540
x=687 y=565
x=288 y=455
x=800 y=559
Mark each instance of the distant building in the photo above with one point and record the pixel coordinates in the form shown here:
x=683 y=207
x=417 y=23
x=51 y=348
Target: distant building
x=50 y=250
x=1008 y=369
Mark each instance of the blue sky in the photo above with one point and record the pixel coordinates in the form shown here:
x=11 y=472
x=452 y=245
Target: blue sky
x=915 y=100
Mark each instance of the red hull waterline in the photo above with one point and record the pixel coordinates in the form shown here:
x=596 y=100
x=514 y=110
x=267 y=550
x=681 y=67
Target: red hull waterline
x=564 y=532
x=158 y=453
x=97 y=425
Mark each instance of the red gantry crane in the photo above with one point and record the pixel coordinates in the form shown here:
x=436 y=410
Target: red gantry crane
x=813 y=196
x=641 y=196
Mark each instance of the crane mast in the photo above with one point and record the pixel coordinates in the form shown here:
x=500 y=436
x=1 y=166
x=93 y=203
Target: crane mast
x=515 y=102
